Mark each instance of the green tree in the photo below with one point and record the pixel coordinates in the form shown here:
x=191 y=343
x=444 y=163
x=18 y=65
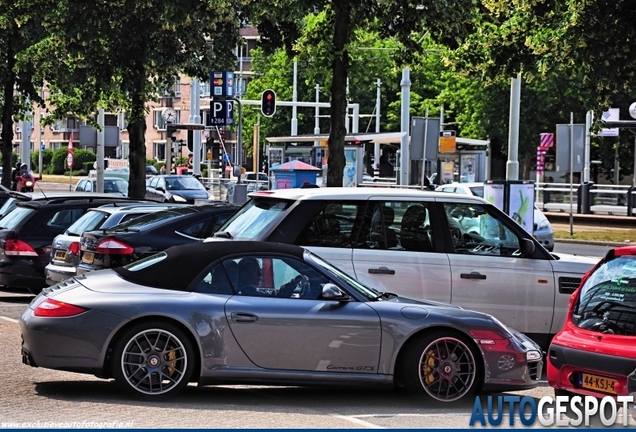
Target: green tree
x=125 y=54
x=19 y=30
x=280 y=21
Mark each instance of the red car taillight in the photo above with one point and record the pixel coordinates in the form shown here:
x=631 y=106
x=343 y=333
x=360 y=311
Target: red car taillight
x=16 y=247
x=57 y=309
x=113 y=247
x=74 y=248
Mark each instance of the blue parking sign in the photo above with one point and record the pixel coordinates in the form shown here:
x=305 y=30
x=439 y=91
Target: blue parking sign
x=42 y=147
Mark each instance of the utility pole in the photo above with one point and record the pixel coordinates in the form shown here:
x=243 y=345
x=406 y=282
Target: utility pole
x=195 y=118
x=403 y=175
x=512 y=166
x=376 y=145
x=99 y=187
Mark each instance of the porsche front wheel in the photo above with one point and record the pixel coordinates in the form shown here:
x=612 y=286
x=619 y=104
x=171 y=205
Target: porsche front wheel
x=442 y=366
x=153 y=361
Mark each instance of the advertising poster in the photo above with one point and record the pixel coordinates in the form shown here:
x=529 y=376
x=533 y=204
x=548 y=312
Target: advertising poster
x=521 y=205
x=494 y=194
x=349 y=173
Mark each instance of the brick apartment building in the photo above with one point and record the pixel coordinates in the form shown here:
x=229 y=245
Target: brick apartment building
x=57 y=135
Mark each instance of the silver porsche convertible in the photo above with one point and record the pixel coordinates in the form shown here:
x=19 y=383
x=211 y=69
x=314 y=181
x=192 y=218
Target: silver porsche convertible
x=242 y=312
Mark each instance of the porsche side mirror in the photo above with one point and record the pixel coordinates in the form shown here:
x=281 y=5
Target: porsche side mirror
x=332 y=292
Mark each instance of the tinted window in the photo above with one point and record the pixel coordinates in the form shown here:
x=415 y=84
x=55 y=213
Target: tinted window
x=215 y=282
x=476 y=232
x=16 y=216
x=477 y=191
x=92 y=220
x=8 y=206
x=116 y=186
x=607 y=302
x=183 y=183
x=256 y=218
x=335 y=225
x=65 y=218
x=400 y=225
x=154 y=218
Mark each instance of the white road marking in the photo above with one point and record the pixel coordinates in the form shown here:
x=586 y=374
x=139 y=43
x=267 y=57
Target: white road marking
x=357 y=421
x=9 y=319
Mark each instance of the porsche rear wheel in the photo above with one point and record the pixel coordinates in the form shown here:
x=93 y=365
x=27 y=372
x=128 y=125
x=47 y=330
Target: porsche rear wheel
x=442 y=366
x=153 y=361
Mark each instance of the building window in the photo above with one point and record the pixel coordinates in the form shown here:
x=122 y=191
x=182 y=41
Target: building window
x=123 y=150
x=58 y=144
x=159 y=150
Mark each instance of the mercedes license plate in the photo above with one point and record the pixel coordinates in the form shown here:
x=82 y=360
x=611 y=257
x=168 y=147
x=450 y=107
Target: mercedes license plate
x=60 y=255
x=88 y=257
x=598 y=383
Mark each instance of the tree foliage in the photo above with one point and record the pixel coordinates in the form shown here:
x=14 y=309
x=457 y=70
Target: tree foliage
x=280 y=21
x=19 y=30
x=125 y=53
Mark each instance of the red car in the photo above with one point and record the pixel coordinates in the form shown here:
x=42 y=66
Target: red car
x=595 y=352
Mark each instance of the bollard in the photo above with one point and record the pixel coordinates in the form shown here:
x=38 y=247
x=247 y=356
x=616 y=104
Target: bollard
x=584 y=198
x=631 y=200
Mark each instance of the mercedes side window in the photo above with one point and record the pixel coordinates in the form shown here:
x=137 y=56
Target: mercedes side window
x=154 y=182
x=475 y=231
x=336 y=224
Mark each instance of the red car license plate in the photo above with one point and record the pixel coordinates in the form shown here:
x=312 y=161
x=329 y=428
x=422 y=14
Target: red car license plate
x=598 y=383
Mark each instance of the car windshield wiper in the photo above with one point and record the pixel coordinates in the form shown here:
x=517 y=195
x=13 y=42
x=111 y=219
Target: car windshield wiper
x=123 y=230
x=386 y=295
x=223 y=234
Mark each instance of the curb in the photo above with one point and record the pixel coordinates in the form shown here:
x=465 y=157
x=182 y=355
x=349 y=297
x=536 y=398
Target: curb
x=593 y=242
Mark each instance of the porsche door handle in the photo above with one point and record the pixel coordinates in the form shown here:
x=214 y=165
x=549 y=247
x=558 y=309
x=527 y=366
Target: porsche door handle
x=472 y=275
x=382 y=270
x=243 y=317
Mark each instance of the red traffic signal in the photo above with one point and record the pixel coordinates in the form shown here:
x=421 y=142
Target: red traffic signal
x=268 y=103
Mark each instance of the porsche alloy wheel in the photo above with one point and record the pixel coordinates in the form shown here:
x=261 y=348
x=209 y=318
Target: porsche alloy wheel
x=153 y=361
x=442 y=367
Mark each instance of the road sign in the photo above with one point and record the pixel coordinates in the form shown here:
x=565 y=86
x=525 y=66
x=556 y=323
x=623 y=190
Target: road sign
x=226 y=157
x=447 y=142
x=221 y=113
x=42 y=147
x=69 y=153
x=209 y=155
x=222 y=84
x=190 y=161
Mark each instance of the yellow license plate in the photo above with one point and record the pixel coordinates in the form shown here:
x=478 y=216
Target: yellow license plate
x=88 y=257
x=60 y=255
x=598 y=383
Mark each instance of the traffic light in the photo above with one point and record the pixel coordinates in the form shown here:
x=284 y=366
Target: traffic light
x=268 y=103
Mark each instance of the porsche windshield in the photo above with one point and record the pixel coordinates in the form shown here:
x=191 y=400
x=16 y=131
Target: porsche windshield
x=607 y=302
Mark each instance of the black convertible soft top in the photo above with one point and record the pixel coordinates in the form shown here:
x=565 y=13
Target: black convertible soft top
x=182 y=263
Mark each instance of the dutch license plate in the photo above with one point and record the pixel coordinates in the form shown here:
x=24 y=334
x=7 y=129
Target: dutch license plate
x=598 y=383
x=88 y=257
x=60 y=255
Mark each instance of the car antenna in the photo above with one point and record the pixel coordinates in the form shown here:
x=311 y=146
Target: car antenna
x=40 y=187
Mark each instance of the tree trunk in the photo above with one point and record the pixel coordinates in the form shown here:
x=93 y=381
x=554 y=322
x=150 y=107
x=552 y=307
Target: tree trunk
x=7 y=119
x=342 y=28
x=137 y=136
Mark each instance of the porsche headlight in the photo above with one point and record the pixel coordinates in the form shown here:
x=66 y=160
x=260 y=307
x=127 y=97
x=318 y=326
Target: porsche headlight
x=178 y=198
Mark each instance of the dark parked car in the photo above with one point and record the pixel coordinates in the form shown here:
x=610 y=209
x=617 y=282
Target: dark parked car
x=175 y=188
x=149 y=234
x=246 y=312
x=27 y=231
x=65 y=253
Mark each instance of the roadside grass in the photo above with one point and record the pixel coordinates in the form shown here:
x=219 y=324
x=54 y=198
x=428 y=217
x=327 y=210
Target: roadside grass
x=614 y=235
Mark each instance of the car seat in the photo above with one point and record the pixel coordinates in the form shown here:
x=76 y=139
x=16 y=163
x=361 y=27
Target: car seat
x=413 y=236
x=377 y=238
